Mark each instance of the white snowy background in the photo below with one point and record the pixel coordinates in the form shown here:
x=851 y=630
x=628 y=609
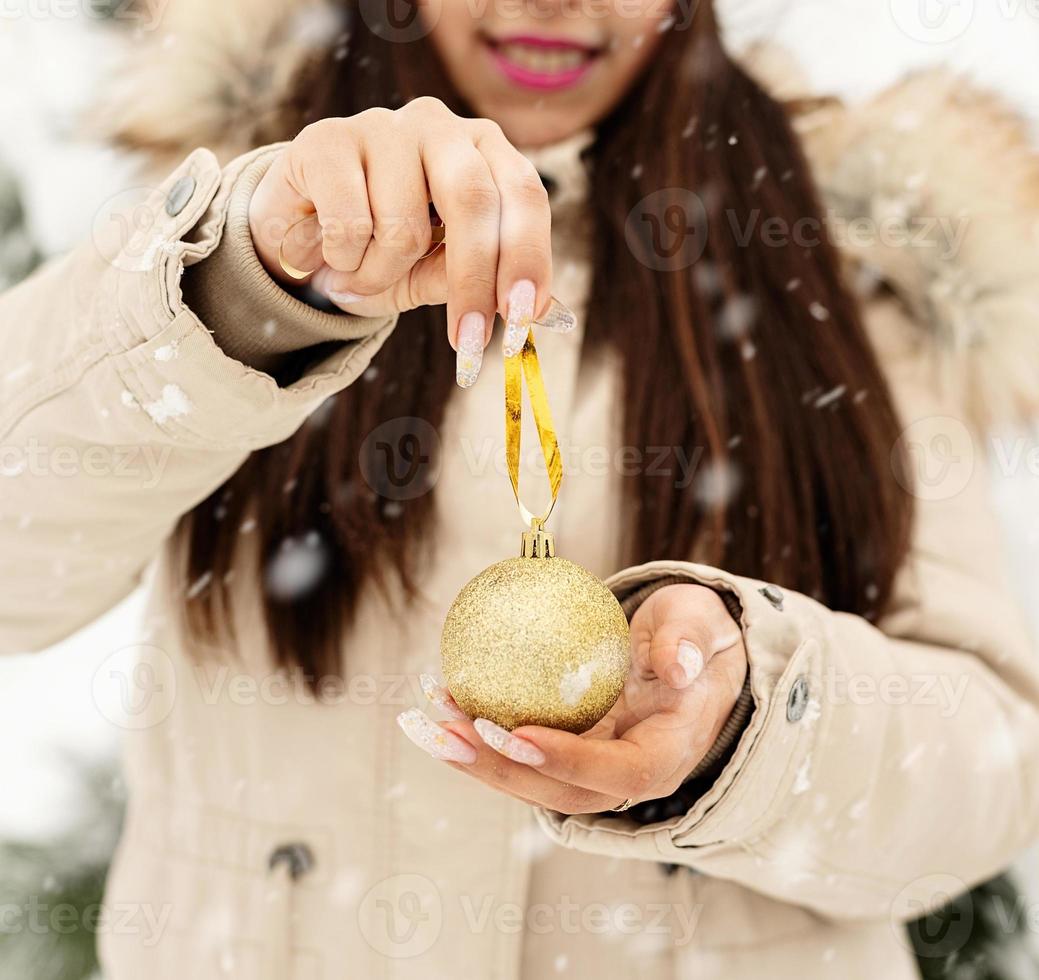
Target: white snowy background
x=51 y=724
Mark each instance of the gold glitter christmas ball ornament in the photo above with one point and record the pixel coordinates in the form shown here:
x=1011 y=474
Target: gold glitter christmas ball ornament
x=536 y=640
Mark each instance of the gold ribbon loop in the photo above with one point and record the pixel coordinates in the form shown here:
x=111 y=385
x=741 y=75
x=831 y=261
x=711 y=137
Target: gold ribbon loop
x=525 y=365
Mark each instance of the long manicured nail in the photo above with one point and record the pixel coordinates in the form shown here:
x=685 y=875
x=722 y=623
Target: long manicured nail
x=688 y=663
x=440 y=697
x=344 y=299
x=437 y=741
x=321 y=283
x=558 y=318
x=520 y=316
x=472 y=329
x=517 y=749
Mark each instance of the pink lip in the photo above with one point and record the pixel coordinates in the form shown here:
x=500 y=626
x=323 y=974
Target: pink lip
x=543 y=81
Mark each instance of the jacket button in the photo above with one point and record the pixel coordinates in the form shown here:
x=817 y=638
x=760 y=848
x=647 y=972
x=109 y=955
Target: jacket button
x=797 y=703
x=179 y=195
x=298 y=857
x=774 y=594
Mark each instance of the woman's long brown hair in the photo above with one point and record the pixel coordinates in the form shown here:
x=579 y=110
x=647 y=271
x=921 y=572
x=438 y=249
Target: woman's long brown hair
x=753 y=361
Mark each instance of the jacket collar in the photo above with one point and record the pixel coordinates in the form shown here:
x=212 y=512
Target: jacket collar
x=562 y=169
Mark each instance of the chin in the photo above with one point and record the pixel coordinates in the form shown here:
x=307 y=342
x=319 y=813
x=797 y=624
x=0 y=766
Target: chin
x=535 y=126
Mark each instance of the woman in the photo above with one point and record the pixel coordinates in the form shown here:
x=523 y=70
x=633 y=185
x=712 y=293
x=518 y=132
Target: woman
x=817 y=779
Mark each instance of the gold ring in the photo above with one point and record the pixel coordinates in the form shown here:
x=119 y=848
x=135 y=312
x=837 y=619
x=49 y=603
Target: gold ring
x=621 y=807
x=286 y=267
x=438 y=238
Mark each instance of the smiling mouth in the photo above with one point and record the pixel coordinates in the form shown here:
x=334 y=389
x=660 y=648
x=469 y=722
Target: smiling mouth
x=541 y=62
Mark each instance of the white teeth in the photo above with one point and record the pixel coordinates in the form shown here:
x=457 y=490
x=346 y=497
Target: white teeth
x=547 y=61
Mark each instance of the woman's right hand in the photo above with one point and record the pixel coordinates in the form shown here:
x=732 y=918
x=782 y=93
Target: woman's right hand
x=367 y=182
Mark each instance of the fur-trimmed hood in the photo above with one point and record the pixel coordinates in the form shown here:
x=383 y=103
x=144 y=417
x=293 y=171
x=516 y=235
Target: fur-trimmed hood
x=931 y=188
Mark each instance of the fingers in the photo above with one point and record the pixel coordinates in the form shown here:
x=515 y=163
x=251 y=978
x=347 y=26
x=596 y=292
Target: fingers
x=524 y=273
x=522 y=779
x=440 y=697
x=401 y=229
x=640 y=765
x=338 y=192
x=689 y=668
x=466 y=197
x=366 y=183
x=435 y=740
x=504 y=742
x=677 y=630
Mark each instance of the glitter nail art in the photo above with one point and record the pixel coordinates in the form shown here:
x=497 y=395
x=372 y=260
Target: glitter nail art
x=471 y=332
x=558 y=318
x=690 y=660
x=431 y=738
x=521 y=316
x=517 y=749
x=439 y=696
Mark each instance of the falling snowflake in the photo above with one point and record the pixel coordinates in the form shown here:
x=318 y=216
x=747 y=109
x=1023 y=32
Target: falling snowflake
x=297 y=568
x=199 y=585
x=911 y=758
x=803 y=779
x=717 y=483
x=831 y=396
x=16 y=374
x=529 y=843
x=737 y=316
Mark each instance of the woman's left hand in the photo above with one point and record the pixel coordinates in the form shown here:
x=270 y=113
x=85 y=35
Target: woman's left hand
x=688 y=668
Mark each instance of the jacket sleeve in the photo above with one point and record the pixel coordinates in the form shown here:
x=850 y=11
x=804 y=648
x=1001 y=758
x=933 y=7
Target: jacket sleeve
x=882 y=769
x=119 y=409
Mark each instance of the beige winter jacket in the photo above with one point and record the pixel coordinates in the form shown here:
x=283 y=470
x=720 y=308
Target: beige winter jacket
x=882 y=770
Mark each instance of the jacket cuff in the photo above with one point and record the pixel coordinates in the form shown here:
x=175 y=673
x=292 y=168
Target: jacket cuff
x=251 y=317
x=782 y=698
x=712 y=763
x=167 y=358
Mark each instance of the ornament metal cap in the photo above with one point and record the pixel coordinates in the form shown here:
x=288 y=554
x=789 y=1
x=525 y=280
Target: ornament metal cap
x=537 y=542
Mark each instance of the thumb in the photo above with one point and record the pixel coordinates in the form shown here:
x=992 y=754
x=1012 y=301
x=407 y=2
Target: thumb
x=424 y=285
x=677 y=630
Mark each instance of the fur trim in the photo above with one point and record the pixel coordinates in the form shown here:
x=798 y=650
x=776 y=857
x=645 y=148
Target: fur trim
x=934 y=189
x=219 y=75
x=931 y=187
